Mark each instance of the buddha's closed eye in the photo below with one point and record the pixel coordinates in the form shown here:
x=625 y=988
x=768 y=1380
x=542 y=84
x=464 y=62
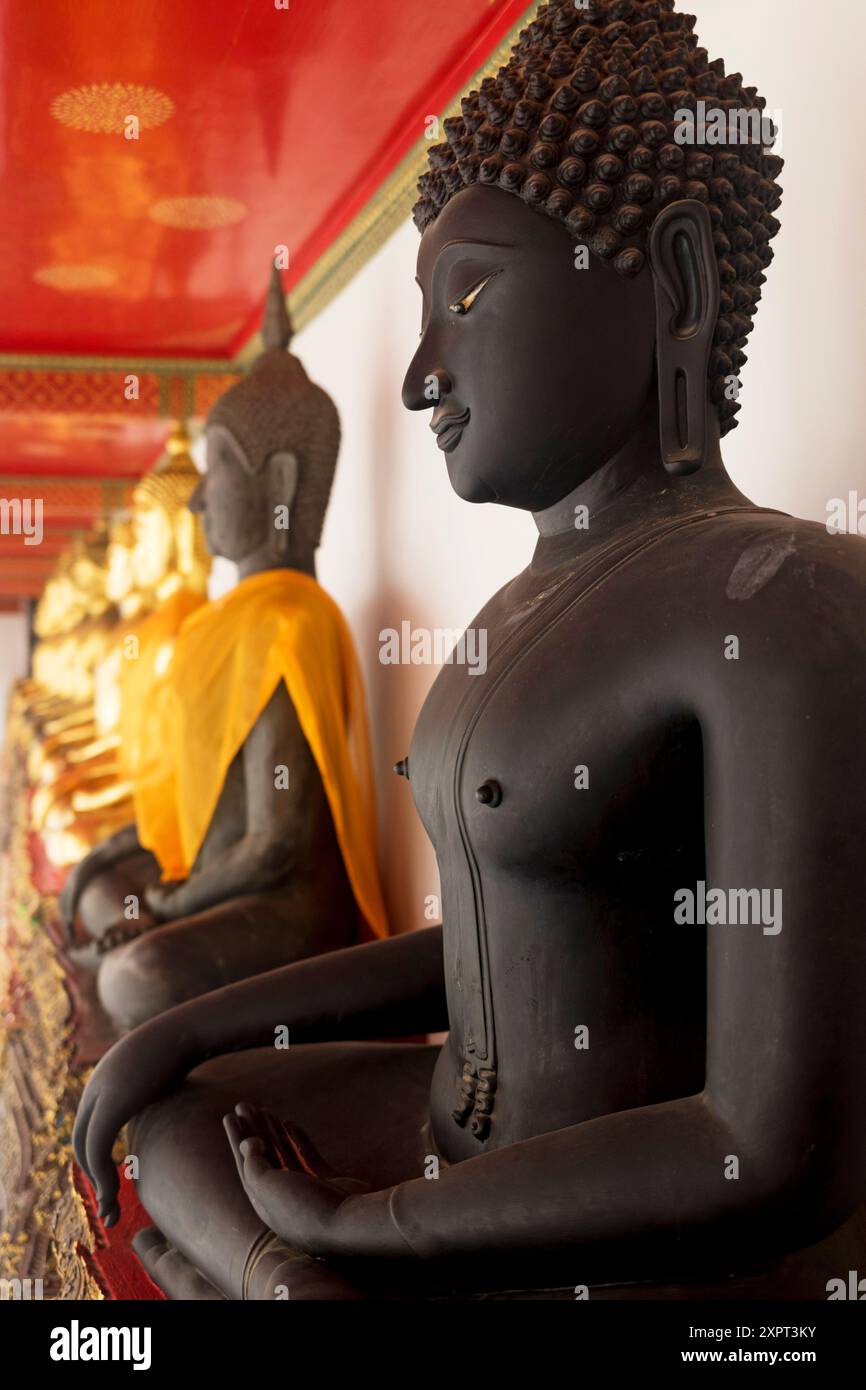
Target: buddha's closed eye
x=462 y=306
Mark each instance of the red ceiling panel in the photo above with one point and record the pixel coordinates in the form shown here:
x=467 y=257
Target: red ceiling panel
x=286 y=120
x=258 y=126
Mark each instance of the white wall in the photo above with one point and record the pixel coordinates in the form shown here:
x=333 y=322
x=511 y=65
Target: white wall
x=399 y=544
x=799 y=442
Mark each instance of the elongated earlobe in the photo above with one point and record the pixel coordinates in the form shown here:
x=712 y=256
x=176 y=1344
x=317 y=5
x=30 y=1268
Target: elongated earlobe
x=687 y=307
x=282 y=485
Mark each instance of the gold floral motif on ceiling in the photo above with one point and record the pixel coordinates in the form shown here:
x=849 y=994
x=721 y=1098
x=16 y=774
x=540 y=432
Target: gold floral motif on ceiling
x=69 y=278
x=199 y=212
x=103 y=108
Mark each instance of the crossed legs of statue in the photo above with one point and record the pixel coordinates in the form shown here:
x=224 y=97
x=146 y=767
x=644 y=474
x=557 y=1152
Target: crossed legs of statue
x=163 y=965
x=364 y=1107
x=244 y=936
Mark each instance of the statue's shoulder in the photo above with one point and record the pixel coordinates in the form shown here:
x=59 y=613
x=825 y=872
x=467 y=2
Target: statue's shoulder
x=796 y=582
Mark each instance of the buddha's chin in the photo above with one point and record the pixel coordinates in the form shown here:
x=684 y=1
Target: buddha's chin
x=466 y=482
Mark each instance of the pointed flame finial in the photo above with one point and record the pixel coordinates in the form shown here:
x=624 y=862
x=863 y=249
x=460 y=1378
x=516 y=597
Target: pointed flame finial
x=276 y=322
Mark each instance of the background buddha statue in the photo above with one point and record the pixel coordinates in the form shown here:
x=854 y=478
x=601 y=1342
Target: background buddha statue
x=253 y=791
x=120 y=584
x=48 y=756
x=654 y=1104
x=169 y=549
x=157 y=575
x=71 y=623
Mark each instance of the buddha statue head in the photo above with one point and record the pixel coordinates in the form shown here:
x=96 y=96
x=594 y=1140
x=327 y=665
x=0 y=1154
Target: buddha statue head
x=85 y=577
x=120 y=578
x=73 y=618
x=592 y=254
x=169 y=548
x=272 y=443
x=55 y=601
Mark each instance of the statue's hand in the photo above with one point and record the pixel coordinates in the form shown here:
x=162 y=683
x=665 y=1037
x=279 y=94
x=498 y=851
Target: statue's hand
x=290 y=1187
x=104 y=856
x=163 y=900
x=122 y=932
x=138 y=1070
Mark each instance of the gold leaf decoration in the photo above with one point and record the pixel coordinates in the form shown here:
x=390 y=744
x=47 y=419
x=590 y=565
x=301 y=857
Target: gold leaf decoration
x=103 y=107
x=75 y=277
x=200 y=212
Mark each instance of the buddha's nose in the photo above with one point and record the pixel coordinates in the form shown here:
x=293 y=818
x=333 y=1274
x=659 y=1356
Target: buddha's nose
x=424 y=390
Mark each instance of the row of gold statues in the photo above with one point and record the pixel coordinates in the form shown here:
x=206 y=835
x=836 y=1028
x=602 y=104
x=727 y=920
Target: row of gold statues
x=116 y=598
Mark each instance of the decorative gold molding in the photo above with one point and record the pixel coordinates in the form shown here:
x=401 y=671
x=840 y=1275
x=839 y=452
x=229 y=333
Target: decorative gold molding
x=165 y=366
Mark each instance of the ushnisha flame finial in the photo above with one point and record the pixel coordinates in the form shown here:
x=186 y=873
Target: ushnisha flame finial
x=277 y=329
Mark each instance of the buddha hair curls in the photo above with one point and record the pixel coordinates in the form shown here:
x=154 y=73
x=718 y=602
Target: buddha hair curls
x=581 y=123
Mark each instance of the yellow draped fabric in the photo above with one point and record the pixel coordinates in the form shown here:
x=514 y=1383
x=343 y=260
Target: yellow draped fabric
x=229 y=659
x=147 y=653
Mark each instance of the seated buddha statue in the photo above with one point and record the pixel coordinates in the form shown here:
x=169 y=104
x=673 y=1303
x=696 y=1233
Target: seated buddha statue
x=252 y=784
x=54 y=613
x=67 y=736
x=157 y=574
x=651 y=963
x=72 y=624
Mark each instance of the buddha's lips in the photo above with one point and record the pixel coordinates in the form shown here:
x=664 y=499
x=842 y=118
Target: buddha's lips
x=449 y=430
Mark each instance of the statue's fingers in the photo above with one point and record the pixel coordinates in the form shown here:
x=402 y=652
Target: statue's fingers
x=234 y=1133
x=64 y=910
x=101 y=1131
x=244 y=1115
x=148 y=1245
x=79 y=1130
x=247 y=1122
x=259 y=1123
x=257 y=1164
x=248 y=1114
x=68 y=909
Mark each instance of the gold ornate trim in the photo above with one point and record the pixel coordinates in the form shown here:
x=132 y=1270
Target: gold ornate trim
x=164 y=366
x=47 y=1233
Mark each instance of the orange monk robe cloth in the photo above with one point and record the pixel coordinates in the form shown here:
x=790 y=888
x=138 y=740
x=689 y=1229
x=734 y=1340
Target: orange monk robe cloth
x=229 y=659
x=147 y=652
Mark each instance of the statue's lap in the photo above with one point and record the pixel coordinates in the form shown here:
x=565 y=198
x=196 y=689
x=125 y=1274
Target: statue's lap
x=363 y=1105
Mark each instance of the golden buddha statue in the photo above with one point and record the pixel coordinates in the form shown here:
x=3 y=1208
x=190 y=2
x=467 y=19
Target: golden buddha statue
x=73 y=620
x=157 y=575
x=62 y=736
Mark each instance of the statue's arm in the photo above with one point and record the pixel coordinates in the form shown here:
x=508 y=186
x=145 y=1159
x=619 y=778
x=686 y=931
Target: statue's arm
x=771 y=1155
x=277 y=818
x=393 y=988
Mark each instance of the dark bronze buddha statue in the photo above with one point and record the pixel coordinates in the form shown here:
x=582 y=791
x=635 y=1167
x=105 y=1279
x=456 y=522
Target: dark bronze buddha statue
x=254 y=802
x=634 y=1096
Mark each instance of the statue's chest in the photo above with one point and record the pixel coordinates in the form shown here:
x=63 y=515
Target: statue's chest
x=500 y=756
x=536 y=779
x=500 y=764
